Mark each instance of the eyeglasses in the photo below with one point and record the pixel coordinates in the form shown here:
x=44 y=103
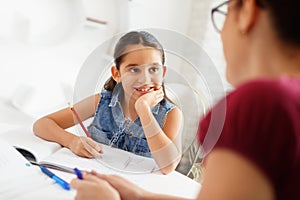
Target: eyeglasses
x=218 y=15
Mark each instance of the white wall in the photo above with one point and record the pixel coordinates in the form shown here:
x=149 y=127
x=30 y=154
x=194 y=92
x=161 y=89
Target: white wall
x=201 y=30
x=166 y=14
x=34 y=74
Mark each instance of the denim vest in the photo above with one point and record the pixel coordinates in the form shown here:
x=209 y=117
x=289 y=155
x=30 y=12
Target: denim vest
x=110 y=127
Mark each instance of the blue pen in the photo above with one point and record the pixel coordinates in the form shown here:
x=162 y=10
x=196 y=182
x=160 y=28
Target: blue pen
x=78 y=173
x=58 y=180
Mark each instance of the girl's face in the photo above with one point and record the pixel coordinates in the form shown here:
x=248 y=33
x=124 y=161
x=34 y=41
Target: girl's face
x=141 y=71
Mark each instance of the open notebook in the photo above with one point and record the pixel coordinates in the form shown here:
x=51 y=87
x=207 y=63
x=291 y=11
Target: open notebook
x=20 y=180
x=52 y=155
x=30 y=146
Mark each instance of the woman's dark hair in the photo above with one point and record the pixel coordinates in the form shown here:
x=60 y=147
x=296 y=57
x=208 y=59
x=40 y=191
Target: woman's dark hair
x=285 y=18
x=132 y=38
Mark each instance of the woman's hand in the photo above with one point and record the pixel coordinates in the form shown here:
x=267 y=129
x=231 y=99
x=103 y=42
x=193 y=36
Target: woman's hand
x=150 y=99
x=85 y=147
x=127 y=190
x=92 y=187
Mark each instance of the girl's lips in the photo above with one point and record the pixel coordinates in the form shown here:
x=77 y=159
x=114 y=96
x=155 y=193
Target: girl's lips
x=144 y=89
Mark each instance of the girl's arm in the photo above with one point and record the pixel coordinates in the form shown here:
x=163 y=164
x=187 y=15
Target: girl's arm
x=164 y=144
x=51 y=127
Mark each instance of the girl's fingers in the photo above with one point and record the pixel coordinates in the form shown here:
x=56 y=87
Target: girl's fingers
x=97 y=146
x=87 y=144
x=86 y=153
x=91 y=150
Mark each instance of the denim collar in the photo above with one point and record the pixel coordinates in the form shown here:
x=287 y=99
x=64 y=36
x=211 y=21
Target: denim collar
x=117 y=95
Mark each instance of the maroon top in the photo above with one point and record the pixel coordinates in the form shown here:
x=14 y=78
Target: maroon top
x=261 y=121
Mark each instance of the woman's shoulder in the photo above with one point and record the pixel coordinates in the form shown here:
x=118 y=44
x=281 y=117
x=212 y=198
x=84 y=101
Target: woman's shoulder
x=263 y=104
x=275 y=86
x=267 y=91
x=263 y=114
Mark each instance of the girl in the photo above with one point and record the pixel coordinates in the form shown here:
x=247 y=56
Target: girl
x=257 y=155
x=131 y=113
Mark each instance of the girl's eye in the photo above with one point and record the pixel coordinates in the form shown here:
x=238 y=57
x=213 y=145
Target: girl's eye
x=154 y=69
x=134 y=70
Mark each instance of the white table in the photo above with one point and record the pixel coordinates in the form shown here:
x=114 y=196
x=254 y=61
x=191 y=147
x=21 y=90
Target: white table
x=173 y=183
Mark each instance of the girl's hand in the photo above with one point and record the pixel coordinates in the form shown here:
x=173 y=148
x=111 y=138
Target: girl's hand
x=150 y=99
x=92 y=187
x=85 y=147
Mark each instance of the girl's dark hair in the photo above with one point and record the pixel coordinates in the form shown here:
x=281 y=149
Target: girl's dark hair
x=132 y=38
x=285 y=18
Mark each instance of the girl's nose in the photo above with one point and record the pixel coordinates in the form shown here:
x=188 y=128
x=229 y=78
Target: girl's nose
x=145 y=77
